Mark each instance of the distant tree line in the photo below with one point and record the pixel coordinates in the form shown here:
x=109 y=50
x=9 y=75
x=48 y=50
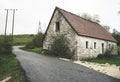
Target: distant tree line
x=116 y=35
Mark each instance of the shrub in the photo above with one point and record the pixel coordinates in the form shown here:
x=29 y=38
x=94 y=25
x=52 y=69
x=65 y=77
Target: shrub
x=108 y=53
x=36 y=42
x=60 y=47
x=6 y=45
x=29 y=45
x=118 y=49
x=116 y=35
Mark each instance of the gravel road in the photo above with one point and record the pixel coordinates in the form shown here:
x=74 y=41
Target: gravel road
x=41 y=68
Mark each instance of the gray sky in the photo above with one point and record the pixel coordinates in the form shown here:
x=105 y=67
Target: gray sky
x=30 y=12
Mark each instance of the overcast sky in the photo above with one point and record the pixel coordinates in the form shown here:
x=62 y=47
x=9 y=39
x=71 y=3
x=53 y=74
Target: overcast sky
x=30 y=12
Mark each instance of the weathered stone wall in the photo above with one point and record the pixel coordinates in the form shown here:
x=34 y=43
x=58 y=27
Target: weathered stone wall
x=90 y=52
x=65 y=29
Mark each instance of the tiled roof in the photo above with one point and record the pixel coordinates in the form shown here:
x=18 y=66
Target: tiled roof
x=87 y=28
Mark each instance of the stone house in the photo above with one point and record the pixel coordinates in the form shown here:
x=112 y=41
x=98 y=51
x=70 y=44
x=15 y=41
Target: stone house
x=87 y=38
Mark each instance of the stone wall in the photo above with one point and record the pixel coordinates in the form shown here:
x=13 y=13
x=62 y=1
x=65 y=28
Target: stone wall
x=65 y=29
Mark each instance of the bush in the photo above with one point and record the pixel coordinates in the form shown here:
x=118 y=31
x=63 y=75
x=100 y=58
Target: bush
x=29 y=45
x=107 y=54
x=36 y=42
x=60 y=47
x=118 y=49
x=116 y=35
x=6 y=45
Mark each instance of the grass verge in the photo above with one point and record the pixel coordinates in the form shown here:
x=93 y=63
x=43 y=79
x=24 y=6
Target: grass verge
x=37 y=50
x=42 y=51
x=112 y=60
x=9 y=67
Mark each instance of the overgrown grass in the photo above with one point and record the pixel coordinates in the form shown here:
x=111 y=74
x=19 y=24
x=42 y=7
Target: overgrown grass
x=112 y=60
x=9 y=67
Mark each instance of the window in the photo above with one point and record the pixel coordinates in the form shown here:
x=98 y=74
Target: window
x=109 y=46
x=94 y=45
x=86 y=44
x=57 y=27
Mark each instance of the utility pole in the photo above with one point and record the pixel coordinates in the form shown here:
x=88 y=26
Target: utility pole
x=13 y=22
x=6 y=21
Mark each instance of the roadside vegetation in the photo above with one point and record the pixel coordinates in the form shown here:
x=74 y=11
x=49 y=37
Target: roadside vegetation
x=5 y=44
x=36 y=42
x=108 y=58
x=60 y=44
x=37 y=50
x=60 y=47
x=9 y=66
x=118 y=49
x=22 y=39
x=113 y=60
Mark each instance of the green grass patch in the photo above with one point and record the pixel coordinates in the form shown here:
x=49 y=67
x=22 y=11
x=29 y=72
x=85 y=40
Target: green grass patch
x=112 y=60
x=22 y=39
x=37 y=50
x=9 y=66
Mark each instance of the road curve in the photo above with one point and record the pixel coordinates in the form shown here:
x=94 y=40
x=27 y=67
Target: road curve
x=40 y=68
